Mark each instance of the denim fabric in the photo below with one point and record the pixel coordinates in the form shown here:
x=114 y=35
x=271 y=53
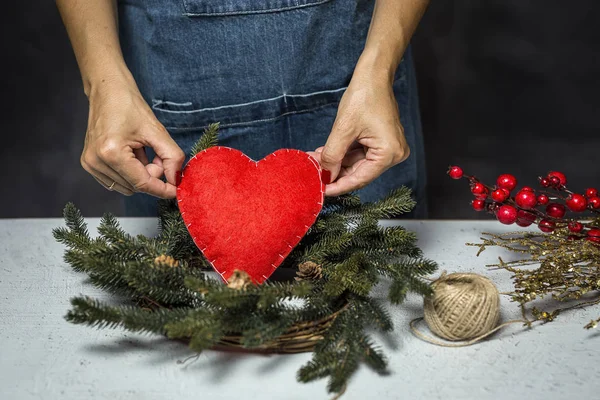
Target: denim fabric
x=272 y=72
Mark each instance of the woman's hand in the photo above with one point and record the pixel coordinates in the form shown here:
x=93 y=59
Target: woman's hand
x=120 y=125
x=367 y=137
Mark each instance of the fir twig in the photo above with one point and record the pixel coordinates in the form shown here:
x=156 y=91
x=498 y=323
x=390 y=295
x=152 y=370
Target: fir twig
x=208 y=139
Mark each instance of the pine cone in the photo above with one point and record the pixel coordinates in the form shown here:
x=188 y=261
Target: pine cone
x=309 y=271
x=166 y=260
x=239 y=280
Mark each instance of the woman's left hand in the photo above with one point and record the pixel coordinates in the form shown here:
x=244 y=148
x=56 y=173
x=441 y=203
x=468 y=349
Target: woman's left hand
x=367 y=137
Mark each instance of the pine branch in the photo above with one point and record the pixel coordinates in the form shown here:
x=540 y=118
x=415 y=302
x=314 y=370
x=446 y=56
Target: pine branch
x=344 y=346
x=267 y=328
x=163 y=284
x=398 y=202
x=374 y=314
x=111 y=229
x=75 y=221
x=208 y=139
x=374 y=357
x=327 y=246
x=93 y=313
x=75 y=235
x=348 y=275
x=347 y=202
x=397 y=292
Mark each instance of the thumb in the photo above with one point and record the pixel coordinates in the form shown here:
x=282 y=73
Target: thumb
x=169 y=152
x=334 y=151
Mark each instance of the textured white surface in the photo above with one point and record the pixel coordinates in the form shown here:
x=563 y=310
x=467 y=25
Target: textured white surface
x=44 y=357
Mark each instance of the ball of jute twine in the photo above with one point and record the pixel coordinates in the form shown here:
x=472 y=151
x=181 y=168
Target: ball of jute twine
x=464 y=307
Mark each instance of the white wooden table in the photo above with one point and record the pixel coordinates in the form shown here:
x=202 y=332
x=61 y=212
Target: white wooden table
x=44 y=357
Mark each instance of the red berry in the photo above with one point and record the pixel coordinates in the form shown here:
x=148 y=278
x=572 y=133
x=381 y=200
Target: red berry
x=576 y=202
x=575 y=227
x=562 y=179
x=554 y=181
x=546 y=225
x=527 y=189
x=526 y=215
x=507 y=214
x=555 y=210
x=525 y=218
x=591 y=192
x=542 y=199
x=594 y=202
x=545 y=182
x=500 y=195
x=478 y=188
x=574 y=237
x=506 y=181
x=526 y=199
x=478 y=205
x=455 y=172
x=594 y=233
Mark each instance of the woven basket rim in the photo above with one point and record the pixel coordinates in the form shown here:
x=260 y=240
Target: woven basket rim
x=298 y=338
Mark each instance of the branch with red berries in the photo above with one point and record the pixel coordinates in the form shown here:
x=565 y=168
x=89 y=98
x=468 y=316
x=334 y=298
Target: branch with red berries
x=547 y=207
x=566 y=251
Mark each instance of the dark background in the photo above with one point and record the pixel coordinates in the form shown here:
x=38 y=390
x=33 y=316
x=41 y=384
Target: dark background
x=505 y=85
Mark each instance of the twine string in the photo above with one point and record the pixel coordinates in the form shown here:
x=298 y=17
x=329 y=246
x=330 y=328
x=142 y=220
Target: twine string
x=464 y=307
x=474 y=340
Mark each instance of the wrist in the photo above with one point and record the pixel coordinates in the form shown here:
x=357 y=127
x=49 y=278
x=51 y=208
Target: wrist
x=107 y=77
x=377 y=66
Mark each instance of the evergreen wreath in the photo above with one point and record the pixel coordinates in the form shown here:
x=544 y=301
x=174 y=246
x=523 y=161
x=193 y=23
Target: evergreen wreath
x=325 y=309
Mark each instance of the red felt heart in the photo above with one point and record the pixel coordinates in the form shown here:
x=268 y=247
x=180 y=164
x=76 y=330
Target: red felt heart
x=249 y=215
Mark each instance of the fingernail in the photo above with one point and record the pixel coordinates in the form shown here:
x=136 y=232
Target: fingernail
x=326 y=176
x=177 y=178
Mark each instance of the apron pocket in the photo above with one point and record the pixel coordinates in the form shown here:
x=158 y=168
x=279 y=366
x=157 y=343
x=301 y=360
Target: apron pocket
x=208 y=8
x=185 y=116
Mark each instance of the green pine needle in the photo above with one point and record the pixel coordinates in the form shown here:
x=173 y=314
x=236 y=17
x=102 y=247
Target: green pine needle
x=208 y=139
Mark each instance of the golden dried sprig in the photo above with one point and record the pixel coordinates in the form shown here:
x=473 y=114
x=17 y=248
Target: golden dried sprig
x=557 y=264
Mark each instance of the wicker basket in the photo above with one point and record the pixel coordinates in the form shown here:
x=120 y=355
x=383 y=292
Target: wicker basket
x=299 y=338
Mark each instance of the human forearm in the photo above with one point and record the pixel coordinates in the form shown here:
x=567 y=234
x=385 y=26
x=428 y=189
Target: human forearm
x=120 y=123
x=92 y=29
x=392 y=26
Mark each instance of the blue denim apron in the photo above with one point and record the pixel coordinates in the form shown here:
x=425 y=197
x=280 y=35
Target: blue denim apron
x=272 y=72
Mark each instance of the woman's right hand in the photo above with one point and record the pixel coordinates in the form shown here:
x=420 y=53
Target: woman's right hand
x=120 y=126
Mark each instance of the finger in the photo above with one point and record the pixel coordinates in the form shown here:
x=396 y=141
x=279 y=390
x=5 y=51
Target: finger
x=354 y=156
x=138 y=176
x=315 y=155
x=170 y=154
x=155 y=171
x=98 y=168
x=141 y=155
x=365 y=171
x=103 y=169
x=339 y=141
x=106 y=182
